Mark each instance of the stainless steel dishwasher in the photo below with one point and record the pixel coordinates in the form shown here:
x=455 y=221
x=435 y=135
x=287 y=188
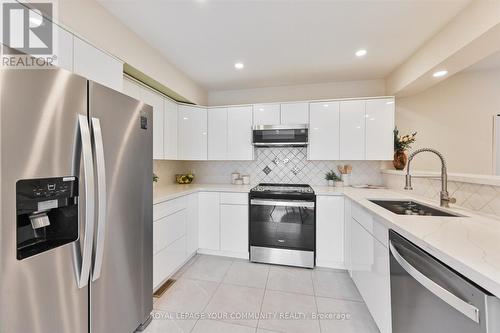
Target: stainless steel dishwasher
x=428 y=296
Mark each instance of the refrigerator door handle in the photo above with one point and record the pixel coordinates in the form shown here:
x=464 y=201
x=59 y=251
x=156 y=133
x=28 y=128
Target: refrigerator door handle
x=102 y=193
x=84 y=259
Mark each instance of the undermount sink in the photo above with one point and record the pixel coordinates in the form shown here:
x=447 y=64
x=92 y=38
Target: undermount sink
x=410 y=207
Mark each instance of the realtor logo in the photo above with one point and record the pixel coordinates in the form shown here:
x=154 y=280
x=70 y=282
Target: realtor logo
x=27 y=30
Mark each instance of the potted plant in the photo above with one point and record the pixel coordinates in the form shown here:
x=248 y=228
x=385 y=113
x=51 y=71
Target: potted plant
x=155 y=180
x=333 y=179
x=401 y=145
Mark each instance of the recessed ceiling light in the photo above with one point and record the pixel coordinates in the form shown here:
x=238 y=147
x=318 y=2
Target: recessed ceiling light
x=440 y=73
x=239 y=65
x=361 y=53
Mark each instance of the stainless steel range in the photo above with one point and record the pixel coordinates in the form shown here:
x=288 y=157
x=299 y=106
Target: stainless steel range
x=282 y=224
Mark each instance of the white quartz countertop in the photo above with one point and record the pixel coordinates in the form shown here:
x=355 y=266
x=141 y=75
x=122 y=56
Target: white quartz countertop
x=469 y=244
x=168 y=192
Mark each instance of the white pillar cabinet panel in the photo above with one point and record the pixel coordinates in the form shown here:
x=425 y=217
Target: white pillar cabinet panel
x=170 y=130
x=192 y=224
x=324 y=124
x=352 y=130
x=234 y=228
x=347 y=235
x=379 y=129
x=63 y=48
x=330 y=231
x=157 y=102
x=209 y=220
x=97 y=65
x=239 y=133
x=294 y=113
x=266 y=114
x=217 y=133
x=192 y=136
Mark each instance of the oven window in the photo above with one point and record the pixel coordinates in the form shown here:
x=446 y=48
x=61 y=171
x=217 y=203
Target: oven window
x=282 y=227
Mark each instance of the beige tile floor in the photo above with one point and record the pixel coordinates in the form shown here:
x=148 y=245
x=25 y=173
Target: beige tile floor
x=218 y=294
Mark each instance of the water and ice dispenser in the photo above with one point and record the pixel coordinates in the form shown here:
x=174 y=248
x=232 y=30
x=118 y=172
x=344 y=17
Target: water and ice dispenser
x=47 y=214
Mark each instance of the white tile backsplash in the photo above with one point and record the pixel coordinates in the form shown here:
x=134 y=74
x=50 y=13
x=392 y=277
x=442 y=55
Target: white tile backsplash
x=284 y=165
x=481 y=198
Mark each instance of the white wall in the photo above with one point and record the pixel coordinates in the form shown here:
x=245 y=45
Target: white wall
x=345 y=89
x=455 y=117
x=90 y=20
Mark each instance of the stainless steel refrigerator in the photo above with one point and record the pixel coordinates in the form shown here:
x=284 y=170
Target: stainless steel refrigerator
x=76 y=205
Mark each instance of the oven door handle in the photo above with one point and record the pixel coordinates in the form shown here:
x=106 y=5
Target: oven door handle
x=469 y=310
x=282 y=203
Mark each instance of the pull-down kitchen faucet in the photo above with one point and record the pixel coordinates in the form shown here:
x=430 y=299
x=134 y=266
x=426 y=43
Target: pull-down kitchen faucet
x=445 y=198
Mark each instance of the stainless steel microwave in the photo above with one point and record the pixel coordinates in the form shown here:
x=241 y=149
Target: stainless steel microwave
x=280 y=135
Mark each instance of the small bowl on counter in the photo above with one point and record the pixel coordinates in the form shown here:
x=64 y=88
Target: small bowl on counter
x=184 y=178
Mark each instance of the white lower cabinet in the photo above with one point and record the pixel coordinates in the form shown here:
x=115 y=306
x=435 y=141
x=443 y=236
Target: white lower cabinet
x=371 y=274
x=175 y=236
x=330 y=231
x=223 y=223
x=168 y=229
x=209 y=220
x=234 y=228
x=167 y=261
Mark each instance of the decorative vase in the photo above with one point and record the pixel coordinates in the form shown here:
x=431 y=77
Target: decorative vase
x=331 y=183
x=339 y=184
x=346 y=178
x=400 y=159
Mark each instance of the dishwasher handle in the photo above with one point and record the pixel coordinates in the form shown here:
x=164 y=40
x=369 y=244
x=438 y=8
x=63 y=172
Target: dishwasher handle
x=469 y=310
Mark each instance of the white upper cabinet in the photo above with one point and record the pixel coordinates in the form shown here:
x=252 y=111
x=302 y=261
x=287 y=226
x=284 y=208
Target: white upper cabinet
x=192 y=136
x=379 y=129
x=352 y=130
x=156 y=101
x=63 y=48
x=266 y=114
x=217 y=133
x=230 y=133
x=239 y=133
x=96 y=65
x=295 y=113
x=170 y=130
x=324 y=128
x=132 y=88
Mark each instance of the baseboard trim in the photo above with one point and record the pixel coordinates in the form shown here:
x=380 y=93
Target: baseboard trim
x=239 y=255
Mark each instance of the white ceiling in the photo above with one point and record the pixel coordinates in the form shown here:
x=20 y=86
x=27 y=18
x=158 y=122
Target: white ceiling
x=491 y=62
x=284 y=42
